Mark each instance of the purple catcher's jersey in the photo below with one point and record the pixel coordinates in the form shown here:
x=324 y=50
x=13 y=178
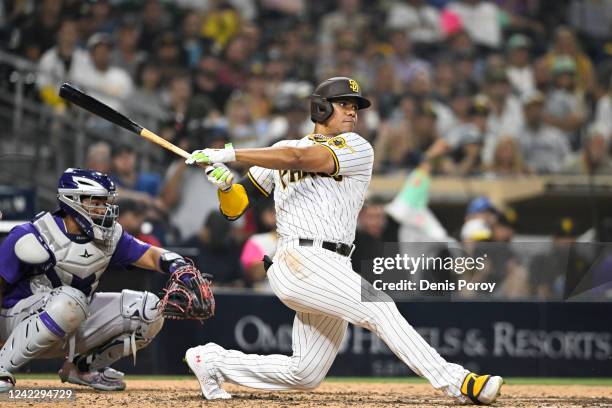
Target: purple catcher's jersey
x=71 y=262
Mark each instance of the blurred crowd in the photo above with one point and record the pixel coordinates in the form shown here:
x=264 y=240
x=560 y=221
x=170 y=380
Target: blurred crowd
x=508 y=88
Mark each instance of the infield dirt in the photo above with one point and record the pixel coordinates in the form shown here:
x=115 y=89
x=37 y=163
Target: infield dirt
x=186 y=394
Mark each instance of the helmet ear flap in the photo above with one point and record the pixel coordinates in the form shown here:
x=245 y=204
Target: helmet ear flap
x=320 y=109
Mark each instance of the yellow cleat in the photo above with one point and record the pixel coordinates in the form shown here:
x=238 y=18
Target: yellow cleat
x=481 y=389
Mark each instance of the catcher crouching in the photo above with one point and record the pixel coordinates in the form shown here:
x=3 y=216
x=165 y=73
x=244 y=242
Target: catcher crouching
x=49 y=271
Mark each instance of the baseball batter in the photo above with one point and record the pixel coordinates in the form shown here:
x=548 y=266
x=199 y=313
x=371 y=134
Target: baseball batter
x=49 y=271
x=319 y=184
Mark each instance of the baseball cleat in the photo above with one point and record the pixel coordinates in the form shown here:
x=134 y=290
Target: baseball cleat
x=482 y=389
x=195 y=359
x=106 y=379
x=7 y=381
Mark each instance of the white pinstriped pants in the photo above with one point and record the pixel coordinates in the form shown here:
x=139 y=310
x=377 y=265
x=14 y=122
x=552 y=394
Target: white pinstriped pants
x=326 y=294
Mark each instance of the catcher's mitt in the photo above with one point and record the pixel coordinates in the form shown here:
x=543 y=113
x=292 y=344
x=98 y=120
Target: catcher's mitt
x=188 y=295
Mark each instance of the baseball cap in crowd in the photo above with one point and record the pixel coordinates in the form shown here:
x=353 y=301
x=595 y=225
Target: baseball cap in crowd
x=99 y=38
x=518 y=41
x=508 y=217
x=565 y=228
x=475 y=230
x=481 y=105
x=564 y=65
x=480 y=204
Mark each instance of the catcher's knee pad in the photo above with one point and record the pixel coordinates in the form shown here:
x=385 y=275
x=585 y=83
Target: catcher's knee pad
x=62 y=313
x=141 y=313
x=141 y=323
x=67 y=307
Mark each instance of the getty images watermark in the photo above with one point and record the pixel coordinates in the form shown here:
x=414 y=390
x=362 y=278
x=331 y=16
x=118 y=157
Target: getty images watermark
x=411 y=265
x=553 y=270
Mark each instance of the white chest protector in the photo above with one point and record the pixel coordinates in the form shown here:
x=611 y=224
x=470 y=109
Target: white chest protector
x=79 y=265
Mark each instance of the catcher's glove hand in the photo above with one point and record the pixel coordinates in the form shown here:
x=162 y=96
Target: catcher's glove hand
x=188 y=295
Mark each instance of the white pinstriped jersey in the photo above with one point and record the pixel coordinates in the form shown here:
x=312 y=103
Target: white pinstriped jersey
x=317 y=205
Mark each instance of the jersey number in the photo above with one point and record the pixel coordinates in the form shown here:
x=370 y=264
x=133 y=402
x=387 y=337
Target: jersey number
x=293 y=176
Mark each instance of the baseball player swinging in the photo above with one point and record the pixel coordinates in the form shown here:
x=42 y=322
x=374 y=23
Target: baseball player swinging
x=319 y=183
x=49 y=271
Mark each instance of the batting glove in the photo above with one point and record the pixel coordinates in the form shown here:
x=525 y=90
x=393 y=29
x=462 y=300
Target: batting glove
x=220 y=176
x=210 y=156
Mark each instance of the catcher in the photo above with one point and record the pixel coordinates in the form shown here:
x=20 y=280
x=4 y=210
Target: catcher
x=49 y=271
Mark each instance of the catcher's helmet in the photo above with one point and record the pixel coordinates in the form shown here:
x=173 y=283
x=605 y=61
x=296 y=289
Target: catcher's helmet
x=78 y=184
x=331 y=89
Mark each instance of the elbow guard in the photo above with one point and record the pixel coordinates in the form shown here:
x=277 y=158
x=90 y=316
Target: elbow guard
x=233 y=203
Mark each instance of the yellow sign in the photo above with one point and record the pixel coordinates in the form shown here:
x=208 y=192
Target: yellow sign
x=353 y=85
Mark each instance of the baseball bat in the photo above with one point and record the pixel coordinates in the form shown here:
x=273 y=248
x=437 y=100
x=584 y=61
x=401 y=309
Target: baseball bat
x=91 y=104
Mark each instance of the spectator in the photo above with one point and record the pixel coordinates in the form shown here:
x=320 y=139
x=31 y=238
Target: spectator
x=594 y=157
x=145 y=103
x=481 y=20
x=424 y=133
x=41 y=30
x=346 y=61
x=221 y=24
x=544 y=147
x=507 y=270
x=347 y=17
x=109 y=84
x=603 y=111
x=482 y=208
x=219 y=254
x=460 y=102
x=258 y=245
x=406 y=65
x=129 y=179
x=191 y=39
x=549 y=269
x=507 y=159
x=410 y=219
x=506 y=115
x=466 y=140
x=98 y=157
x=132 y=217
x=169 y=55
x=98 y=18
x=565 y=107
x=465 y=63
x=233 y=72
x=591 y=17
x=187 y=194
x=126 y=54
x=60 y=63
x=420 y=87
x=207 y=81
x=393 y=141
x=259 y=104
x=386 y=90
x=475 y=236
x=565 y=46
x=244 y=131
x=520 y=71
x=154 y=22
x=444 y=80
x=369 y=236
x=187 y=114
x=420 y=20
